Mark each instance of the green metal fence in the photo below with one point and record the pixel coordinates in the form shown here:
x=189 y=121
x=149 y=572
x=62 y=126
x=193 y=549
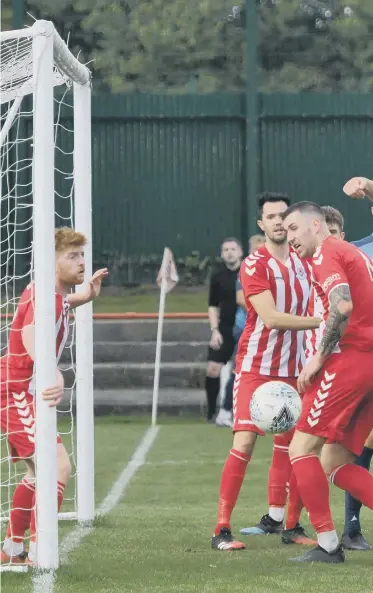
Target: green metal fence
x=170 y=170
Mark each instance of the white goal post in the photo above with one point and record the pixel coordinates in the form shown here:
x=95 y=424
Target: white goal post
x=34 y=61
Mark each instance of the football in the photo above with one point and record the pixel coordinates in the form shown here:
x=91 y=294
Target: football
x=275 y=407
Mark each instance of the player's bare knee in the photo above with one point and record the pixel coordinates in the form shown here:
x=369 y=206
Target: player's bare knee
x=244 y=441
x=333 y=456
x=64 y=467
x=64 y=471
x=213 y=369
x=30 y=474
x=305 y=444
x=369 y=441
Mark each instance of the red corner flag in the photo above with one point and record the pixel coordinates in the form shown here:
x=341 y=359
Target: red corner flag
x=168 y=272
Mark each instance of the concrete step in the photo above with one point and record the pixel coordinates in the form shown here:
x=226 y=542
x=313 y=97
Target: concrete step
x=143 y=352
x=174 y=330
x=180 y=375
x=139 y=401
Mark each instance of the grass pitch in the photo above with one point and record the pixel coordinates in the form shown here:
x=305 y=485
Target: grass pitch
x=177 y=301
x=158 y=538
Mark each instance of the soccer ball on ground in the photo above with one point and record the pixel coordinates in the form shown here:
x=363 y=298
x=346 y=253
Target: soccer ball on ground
x=275 y=407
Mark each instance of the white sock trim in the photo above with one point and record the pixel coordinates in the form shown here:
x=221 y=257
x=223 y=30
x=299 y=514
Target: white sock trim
x=333 y=474
x=12 y=548
x=32 y=553
x=328 y=540
x=277 y=513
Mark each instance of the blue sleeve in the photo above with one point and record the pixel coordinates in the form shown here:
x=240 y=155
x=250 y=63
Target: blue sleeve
x=365 y=244
x=238 y=285
x=368 y=249
x=365 y=241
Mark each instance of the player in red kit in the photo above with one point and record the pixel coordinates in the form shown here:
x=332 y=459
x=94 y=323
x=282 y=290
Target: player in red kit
x=276 y=286
x=293 y=531
x=17 y=390
x=337 y=408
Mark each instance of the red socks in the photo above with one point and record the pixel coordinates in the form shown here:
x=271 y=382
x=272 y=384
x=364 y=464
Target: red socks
x=20 y=514
x=356 y=480
x=230 y=486
x=295 y=504
x=313 y=488
x=60 y=489
x=279 y=473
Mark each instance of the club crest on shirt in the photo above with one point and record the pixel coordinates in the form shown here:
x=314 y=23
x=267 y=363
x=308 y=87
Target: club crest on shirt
x=300 y=272
x=65 y=306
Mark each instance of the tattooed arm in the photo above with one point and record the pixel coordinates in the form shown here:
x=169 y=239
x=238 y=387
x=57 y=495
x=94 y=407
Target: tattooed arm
x=340 y=309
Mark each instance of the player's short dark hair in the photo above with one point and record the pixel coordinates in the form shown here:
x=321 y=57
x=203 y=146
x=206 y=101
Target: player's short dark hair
x=333 y=216
x=305 y=208
x=272 y=197
x=231 y=240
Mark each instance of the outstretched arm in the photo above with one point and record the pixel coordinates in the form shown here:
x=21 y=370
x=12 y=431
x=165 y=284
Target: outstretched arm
x=265 y=307
x=359 y=187
x=77 y=299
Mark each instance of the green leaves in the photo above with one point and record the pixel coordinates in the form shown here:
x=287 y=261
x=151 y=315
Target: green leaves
x=199 y=45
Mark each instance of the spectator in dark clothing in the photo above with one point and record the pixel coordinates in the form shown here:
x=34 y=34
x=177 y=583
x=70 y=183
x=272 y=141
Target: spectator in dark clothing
x=222 y=312
x=225 y=417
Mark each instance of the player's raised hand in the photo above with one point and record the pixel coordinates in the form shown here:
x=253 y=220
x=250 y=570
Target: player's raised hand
x=358 y=188
x=94 y=285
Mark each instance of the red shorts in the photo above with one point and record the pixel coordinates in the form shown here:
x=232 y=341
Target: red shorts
x=17 y=420
x=339 y=404
x=244 y=386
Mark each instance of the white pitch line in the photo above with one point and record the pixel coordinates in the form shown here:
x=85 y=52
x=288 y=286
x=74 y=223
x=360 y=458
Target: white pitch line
x=43 y=582
x=72 y=540
x=75 y=537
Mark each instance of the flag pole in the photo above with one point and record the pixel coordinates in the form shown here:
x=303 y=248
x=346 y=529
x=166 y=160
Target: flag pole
x=167 y=279
x=162 y=302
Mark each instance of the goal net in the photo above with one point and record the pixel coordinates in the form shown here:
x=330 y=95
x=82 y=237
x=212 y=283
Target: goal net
x=46 y=183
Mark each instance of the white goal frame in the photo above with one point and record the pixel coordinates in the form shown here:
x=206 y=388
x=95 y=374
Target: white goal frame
x=49 y=51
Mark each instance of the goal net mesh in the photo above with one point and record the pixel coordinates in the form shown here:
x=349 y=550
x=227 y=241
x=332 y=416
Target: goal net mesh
x=16 y=230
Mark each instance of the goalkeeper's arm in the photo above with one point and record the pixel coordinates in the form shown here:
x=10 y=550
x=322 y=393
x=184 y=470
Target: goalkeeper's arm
x=54 y=394
x=76 y=299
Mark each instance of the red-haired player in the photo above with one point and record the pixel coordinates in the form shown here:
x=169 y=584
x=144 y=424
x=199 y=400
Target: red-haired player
x=17 y=392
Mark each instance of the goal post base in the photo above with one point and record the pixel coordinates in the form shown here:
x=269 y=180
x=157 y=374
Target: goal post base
x=13 y=568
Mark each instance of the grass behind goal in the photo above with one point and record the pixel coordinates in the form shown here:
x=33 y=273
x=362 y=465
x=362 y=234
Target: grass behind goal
x=158 y=538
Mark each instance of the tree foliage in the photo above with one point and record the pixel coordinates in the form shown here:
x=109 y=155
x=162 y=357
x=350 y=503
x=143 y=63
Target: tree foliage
x=199 y=45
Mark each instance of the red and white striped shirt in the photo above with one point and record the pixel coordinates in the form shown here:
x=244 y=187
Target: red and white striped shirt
x=273 y=352
x=17 y=365
x=313 y=336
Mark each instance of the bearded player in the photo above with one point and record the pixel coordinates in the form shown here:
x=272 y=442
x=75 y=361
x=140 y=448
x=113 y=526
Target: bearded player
x=337 y=407
x=17 y=391
x=276 y=286
x=293 y=532
x=352 y=538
